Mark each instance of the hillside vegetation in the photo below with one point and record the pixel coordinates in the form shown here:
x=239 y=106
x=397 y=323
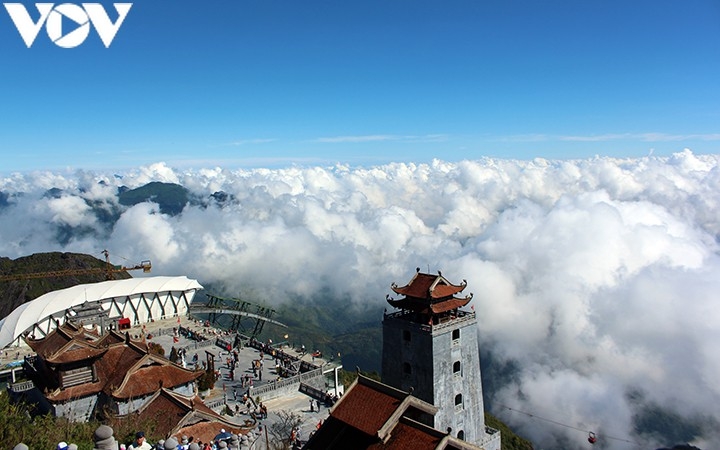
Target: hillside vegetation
x=16 y=292
x=171 y=198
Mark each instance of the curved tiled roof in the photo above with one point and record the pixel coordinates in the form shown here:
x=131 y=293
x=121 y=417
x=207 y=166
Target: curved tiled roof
x=123 y=370
x=78 y=352
x=429 y=294
x=183 y=415
x=146 y=380
x=56 y=302
x=427 y=286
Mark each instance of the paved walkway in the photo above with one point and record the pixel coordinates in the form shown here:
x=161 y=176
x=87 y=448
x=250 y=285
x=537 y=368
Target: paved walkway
x=296 y=403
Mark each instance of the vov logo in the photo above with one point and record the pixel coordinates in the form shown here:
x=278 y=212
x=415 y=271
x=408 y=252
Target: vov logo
x=53 y=16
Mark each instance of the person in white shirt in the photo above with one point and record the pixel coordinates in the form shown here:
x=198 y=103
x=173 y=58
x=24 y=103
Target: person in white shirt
x=140 y=442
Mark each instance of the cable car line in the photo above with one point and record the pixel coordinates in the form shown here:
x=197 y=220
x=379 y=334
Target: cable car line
x=592 y=436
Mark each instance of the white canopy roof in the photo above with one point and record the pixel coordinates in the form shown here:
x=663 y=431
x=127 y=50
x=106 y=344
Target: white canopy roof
x=35 y=311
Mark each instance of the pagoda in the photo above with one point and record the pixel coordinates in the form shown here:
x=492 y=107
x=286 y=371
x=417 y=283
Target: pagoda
x=80 y=374
x=429 y=298
x=430 y=348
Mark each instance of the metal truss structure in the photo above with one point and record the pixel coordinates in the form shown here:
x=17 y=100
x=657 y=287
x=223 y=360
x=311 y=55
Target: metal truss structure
x=236 y=314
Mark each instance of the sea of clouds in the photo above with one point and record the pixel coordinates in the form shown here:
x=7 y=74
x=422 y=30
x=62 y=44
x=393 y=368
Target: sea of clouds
x=599 y=279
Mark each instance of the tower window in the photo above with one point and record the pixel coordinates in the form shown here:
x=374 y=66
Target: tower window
x=455 y=335
x=456 y=368
x=458 y=401
x=461 y=435
x=407 y=369
x=406 y=335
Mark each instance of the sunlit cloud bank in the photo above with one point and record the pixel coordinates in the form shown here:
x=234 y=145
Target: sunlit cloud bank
x=598 y=279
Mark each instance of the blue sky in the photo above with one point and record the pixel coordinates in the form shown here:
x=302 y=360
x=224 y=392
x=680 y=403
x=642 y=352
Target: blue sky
x=251 y=83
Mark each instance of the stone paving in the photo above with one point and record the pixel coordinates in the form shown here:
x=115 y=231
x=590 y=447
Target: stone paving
x=296 y=403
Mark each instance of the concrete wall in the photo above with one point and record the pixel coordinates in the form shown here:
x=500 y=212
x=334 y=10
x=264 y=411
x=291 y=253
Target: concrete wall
x=79 y=410
x=492 y=439
x=469 y=415
x=424 y=357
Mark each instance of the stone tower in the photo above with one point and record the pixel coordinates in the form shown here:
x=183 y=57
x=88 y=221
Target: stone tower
x=430 y=346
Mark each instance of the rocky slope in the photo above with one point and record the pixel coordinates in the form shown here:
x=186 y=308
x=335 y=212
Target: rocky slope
x=13 y=293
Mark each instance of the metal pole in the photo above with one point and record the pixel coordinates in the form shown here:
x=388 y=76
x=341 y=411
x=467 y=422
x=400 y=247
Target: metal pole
x=267 y=441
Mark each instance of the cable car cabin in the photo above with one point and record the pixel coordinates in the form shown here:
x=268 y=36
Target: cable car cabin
x=592 y=438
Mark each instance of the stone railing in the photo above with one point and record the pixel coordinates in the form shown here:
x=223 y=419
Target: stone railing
x=312 y=391
x=269 y=349
x=307 y=366
x=266 y=390
x=272 y=389
x=201 y=344
x=215 y=403
x=450 y=321
x=22 y=386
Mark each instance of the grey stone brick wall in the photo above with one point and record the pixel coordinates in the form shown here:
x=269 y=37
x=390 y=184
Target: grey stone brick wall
x=440 y=369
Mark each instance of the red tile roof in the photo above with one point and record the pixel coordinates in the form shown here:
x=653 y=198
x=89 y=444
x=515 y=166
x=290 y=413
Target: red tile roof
x=426 y=286
x=74 y=350
x=123 y=368
x=366 y=409
x=113 y=337
x=185 y=416
x=429 y=295
x=410 y=436
x=374 y=416
x=115 y=364
x=148 y=379
x=52 y=342
x=418 y=287
x=172 y=412
x=73 y=392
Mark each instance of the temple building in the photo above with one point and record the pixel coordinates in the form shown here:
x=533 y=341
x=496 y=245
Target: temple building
x=81 y=374
x=185 y=416
x=430 y=348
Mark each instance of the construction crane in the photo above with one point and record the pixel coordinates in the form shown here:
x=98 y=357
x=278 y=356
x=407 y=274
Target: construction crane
x=109 y=270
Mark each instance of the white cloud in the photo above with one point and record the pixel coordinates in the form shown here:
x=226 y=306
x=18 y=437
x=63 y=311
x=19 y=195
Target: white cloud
x=598 y=277
x=646 y=137
x=241 y=142
x=70 y=210
x=382 y=137
x=610 y=137
x=143 y=230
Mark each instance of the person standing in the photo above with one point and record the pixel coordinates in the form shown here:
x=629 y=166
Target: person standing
x=140 y=442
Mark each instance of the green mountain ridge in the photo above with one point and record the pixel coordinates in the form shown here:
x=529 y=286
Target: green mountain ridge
x=171 y=198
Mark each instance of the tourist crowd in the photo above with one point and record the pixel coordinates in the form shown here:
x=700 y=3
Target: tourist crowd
x=103 y=439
